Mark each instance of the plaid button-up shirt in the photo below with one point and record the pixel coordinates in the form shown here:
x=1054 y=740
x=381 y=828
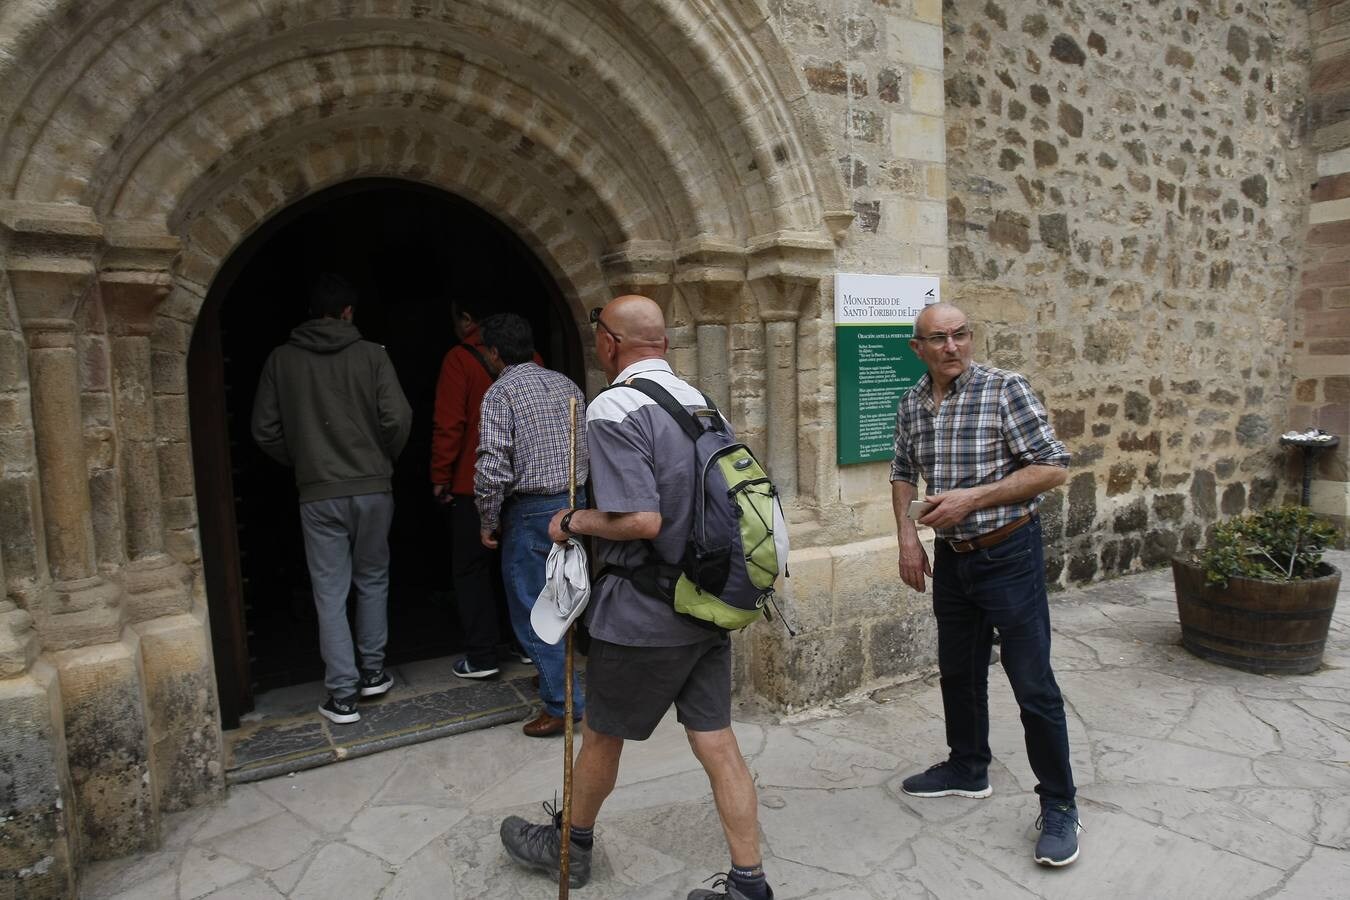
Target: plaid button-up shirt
x=989 y=425
x=522 y=441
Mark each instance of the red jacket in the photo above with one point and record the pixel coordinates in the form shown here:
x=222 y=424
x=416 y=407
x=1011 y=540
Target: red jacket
x=459 y=402
x=454 y=429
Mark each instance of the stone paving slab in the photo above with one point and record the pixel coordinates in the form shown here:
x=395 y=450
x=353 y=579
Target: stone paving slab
x=1195 y=782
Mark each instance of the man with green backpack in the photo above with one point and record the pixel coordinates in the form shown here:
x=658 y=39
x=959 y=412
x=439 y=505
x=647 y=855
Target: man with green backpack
x=679 y=571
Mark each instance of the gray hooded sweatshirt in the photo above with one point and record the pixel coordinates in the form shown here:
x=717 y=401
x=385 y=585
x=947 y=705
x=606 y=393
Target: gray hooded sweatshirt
x=330 y=404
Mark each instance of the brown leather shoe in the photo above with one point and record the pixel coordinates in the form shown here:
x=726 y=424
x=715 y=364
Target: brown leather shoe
x=546 y=725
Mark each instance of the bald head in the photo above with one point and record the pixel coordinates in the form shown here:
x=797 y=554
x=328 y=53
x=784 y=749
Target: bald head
x=640 y=327
x=942 y=310
x=637 y=318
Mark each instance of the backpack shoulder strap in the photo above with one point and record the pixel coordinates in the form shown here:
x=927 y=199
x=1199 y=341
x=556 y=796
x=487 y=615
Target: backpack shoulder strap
x=663 y=399
x=482 y=360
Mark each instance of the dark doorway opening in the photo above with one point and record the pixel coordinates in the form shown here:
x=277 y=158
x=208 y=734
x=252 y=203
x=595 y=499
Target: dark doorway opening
x=410 y=250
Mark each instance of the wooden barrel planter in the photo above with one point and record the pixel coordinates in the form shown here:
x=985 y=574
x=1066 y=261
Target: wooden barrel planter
x=1256 y=626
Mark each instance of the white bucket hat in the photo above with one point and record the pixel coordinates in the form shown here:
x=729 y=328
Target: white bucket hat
x=567 y=590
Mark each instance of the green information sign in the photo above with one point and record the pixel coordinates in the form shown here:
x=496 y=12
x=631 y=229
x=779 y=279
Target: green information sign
x=874 y=369
x=874 y=365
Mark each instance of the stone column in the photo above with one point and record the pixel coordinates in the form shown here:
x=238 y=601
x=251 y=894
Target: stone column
x=51 y=262
x=712 y=342
x=175 y=655
x=780 y=364
x=170 y=344
x=36 y=852
x=134 y=280
x=710 y=274
x=784 y=277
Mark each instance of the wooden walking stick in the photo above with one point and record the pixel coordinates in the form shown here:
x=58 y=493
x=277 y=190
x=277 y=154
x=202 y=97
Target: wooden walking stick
x=564 y=852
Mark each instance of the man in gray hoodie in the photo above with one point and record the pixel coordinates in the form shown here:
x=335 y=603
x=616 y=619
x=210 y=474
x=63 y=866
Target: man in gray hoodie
x=330 y=405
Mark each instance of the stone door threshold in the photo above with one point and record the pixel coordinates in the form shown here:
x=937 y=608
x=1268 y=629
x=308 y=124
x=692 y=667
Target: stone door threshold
x=281 y=737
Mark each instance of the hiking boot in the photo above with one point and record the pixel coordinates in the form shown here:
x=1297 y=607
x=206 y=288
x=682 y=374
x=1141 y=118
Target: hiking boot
x=340 y=710
x=465 y=669
x=723 y=880
x=375 y=683
x=538 y=846
x=1059 y=827
x=943 y=780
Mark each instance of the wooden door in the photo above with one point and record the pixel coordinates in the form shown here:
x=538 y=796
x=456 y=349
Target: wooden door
x=215 y=512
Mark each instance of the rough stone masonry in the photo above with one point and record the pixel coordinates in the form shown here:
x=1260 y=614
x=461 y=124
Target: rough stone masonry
x=1125 y=214
x=1116 y=192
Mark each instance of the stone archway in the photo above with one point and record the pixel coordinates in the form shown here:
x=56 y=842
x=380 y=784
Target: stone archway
x=412 y=251
x=660 y=146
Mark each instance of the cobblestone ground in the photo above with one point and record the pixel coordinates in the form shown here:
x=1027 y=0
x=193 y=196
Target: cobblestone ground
x=1196 y=781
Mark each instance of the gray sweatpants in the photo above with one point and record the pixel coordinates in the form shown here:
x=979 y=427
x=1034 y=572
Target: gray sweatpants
x=347 y=546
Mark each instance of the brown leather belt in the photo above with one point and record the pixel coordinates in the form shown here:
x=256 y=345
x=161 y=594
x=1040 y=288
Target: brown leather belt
x=989 y=538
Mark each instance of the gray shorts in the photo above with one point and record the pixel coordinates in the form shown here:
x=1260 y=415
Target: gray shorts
x=629 y=689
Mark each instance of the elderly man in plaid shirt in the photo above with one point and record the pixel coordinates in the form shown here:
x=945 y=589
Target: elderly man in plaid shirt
x=520 y=481
x=981 y=441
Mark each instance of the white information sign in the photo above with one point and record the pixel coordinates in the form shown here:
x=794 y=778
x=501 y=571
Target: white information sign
x=882 y=299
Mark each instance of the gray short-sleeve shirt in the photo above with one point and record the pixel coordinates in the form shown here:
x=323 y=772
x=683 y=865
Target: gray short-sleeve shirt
x=641 y=461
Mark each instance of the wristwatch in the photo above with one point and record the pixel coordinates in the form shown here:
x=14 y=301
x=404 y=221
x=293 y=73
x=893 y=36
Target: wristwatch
x=566 y=523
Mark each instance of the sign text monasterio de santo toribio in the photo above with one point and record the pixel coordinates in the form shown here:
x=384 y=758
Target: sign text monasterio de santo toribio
x=873 y=322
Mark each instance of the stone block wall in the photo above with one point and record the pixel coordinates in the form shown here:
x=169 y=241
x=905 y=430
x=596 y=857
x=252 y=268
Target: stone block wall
x=1321 y=325
x=859 y=626
x=872 y=71
x=1124 y=218
x=873 y=75
x=38 y=846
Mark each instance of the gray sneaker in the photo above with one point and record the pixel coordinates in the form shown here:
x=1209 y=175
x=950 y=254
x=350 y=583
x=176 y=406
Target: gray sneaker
x=538 y=847
x=729 y=894
x=1059 y=827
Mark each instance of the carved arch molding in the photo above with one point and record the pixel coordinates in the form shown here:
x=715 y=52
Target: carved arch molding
x=664 y=146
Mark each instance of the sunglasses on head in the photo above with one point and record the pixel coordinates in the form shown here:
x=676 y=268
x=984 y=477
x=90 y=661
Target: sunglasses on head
x=596 y=320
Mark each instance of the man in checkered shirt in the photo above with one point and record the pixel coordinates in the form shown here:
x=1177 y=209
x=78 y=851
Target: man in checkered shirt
x=981 y=441
x=520 y=481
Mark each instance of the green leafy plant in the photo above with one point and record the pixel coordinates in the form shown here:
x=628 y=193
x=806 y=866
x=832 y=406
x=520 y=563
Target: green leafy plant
x=1284 y=543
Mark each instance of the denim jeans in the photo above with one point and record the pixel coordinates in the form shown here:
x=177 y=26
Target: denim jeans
x=1002 y=587
x=525 y=547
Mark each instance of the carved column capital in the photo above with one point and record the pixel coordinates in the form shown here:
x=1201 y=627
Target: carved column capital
x=641 y=267
x=51 y=255
x=711 y=276
x=837 y=222
x=785 y=271
x=136 y=274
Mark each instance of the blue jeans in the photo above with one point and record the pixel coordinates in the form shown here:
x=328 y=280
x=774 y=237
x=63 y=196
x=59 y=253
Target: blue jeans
x=1002 y=587
x=525 y=547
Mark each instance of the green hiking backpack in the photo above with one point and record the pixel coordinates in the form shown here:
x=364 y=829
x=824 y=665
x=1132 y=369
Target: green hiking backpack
x=738 y=543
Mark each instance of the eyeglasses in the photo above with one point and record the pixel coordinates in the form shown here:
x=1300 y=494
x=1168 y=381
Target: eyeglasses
x=596 y=320
x=938 y=339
